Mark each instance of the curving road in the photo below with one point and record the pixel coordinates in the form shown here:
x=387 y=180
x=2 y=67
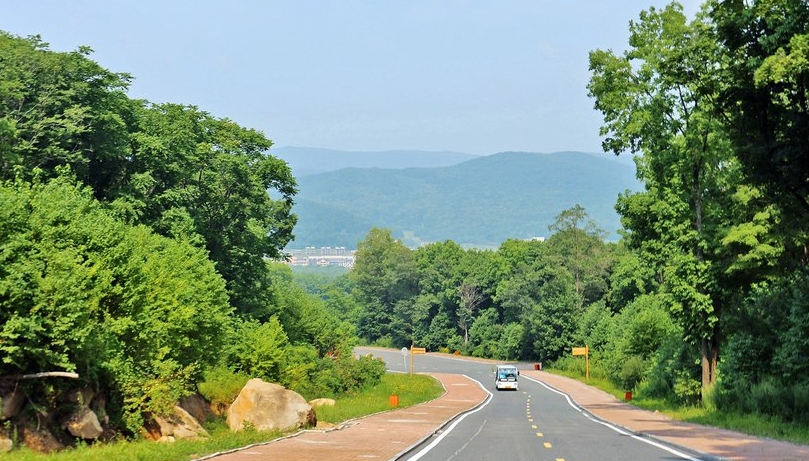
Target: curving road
x=535 y=423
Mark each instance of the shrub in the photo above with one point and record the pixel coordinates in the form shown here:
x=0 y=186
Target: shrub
x=769 y=398
x=221 y=385
x=632 y=372
x=687 y=389
x=800 y=403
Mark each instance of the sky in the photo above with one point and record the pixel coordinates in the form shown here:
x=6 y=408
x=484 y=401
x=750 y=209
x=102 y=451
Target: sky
x=472 y=76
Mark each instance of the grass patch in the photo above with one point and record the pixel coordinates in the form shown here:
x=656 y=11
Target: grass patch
x=221 y=439
x=411 y=389
x=751 y=424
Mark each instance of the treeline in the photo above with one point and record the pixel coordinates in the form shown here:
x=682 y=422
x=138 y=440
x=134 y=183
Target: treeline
x=136 y=242
x=705 y=297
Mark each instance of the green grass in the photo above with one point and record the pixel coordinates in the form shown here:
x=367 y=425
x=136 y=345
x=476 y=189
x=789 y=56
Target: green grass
x=751 y=424
x=221 y=439
x=411 y=389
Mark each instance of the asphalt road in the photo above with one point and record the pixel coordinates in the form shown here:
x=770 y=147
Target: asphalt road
x=533 y=423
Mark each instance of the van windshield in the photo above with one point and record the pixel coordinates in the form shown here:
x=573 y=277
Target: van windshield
x=507 y=374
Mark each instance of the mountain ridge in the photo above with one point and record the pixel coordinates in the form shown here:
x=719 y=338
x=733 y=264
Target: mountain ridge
x=480 y=202
x=306 y=161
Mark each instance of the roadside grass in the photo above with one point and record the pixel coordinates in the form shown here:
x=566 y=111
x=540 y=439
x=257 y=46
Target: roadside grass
x=411 y=390
x=221 y=439
x=751 y=424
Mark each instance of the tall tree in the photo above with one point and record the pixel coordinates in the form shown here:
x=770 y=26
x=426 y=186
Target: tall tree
x=471 y=297
x=192 y=174
x=384 y=275
x=580 y=243
x=658 y=99
x=61 y=109
x=766 y=44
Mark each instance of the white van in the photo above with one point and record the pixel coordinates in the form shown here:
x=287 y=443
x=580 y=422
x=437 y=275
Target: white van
x=506 y=377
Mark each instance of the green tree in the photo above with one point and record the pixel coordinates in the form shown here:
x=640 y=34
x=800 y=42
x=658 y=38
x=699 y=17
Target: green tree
x=629 y=278
x=61 y=109
x=173 y=168
x=659 y=99
x=580 y=243
x=384 y=274
x=765 y=45
x=550 y=322
x=511 y=340
x=440 y=267
x=193 y=174
x=485 y=334
x=520 y=267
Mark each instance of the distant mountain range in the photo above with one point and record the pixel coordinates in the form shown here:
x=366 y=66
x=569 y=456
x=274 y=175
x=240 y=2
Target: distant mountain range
x=306 y=161
x=475 y=201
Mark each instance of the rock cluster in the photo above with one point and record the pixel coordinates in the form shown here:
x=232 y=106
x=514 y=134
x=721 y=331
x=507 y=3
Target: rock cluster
x=261 y=405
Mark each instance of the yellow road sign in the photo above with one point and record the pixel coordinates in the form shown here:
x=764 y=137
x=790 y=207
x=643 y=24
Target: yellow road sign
x=579 y=351
x=418 y=350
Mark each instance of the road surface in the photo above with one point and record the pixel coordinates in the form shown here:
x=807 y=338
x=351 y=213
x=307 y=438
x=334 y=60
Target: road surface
x=534 y=422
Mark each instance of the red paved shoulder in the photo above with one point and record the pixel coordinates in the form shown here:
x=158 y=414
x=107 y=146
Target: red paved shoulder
x=720 y=443
x=381 y=436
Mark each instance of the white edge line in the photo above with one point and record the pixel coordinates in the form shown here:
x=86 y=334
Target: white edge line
x=615 y=428
x=446 y=431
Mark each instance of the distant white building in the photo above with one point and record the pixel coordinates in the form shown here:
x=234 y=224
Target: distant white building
x=323 y=256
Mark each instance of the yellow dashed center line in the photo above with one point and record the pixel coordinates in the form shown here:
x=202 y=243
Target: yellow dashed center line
x=547 y=445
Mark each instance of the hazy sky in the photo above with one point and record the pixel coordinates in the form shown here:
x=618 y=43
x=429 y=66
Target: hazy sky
x=474 y=76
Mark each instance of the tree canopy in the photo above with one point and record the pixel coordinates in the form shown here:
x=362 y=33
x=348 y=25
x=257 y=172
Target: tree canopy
x=174 y=168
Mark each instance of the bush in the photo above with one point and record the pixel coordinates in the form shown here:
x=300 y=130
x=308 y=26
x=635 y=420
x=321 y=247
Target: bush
x=221 y=386
x=687 y=390
x=769 y=398
x=570 y=364
x=135 y=313
x=258 y=349
x=360 y=373
x=800 y=403
x=632 y=372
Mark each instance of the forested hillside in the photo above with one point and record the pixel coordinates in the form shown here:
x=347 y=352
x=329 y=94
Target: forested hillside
x=481 y=202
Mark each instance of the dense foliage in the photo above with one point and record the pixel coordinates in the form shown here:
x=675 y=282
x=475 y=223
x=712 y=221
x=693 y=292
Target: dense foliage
x=136 y=250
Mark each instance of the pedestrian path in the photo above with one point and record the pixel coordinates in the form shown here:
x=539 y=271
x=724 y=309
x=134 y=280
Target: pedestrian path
x=388 y=435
